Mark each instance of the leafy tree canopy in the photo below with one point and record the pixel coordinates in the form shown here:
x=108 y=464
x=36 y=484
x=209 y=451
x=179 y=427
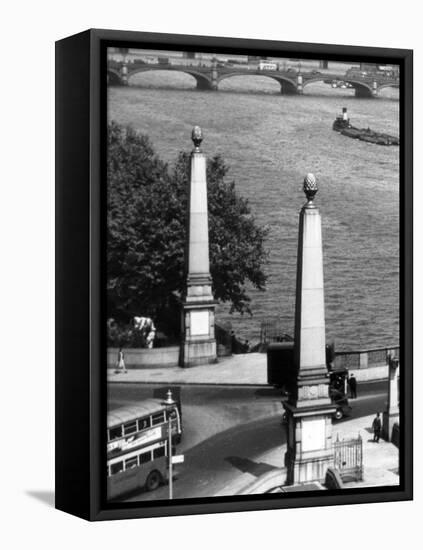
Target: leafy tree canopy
x=147 y=220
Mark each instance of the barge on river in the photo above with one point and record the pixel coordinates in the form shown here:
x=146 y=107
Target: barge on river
x=342 y=125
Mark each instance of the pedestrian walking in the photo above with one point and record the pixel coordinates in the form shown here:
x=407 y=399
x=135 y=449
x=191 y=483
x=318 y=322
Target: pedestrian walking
x=377 y=428
x=352 y=384
x=120 y=365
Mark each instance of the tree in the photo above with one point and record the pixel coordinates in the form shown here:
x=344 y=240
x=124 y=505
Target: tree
x=146 y=222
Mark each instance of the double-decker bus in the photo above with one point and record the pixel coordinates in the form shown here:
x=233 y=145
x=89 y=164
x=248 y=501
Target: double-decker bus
x=137 y=445
x=267 y=65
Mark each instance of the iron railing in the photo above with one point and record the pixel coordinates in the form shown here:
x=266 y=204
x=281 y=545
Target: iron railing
x=348 y=458
x=273 y=331
x=359 y=359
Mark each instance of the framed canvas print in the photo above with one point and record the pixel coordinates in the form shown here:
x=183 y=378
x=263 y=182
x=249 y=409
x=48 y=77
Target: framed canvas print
x=234 y=274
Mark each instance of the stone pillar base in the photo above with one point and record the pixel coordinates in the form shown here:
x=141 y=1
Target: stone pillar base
x=199 y=343
x=389 y=419
x=198 y=353
x=309 y=441
x=307 y=470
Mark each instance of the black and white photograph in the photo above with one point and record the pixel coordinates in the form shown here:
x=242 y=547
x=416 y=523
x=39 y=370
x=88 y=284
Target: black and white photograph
x=210 y=237
x=252 y=275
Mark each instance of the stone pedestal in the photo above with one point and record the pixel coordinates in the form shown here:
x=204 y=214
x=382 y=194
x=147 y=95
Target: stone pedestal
x=309 y=453
x=375 y=91
x=391 y=415
x=300 y=88
x=124 y=74
x=309 y=410
x=214 y=75
x=199 y=344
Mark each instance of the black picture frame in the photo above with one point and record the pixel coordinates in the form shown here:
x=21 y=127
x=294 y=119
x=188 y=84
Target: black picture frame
x=80 y=259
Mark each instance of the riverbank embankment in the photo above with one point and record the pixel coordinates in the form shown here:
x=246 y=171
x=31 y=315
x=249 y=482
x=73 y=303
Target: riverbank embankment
x=248 y=369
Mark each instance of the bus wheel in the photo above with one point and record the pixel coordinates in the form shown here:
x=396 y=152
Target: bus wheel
x=338 y=414
x=153 y=481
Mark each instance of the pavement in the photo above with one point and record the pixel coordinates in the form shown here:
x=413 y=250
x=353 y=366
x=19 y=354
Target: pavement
x=249 y=369
x=380 y=461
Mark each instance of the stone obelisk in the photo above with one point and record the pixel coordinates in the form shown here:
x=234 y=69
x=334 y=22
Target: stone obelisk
x=199 y=344
x=391 y=415
x=309 y=409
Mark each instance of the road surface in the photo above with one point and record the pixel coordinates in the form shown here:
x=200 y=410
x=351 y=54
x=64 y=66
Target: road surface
x=225 y=429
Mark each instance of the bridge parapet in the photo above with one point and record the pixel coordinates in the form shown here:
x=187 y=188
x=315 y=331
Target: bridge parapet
x=292 y=81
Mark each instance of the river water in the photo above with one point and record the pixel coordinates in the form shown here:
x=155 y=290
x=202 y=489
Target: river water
x=270 y=142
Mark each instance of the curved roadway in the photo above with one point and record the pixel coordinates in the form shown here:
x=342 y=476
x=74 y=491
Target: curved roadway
x=226 y=429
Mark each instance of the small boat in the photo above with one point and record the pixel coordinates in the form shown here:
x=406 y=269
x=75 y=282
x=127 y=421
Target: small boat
x=343 y=126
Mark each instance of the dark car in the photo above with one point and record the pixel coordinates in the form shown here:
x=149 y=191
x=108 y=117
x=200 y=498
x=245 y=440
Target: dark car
x=341 y=401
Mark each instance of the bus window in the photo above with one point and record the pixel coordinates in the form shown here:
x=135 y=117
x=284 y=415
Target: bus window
x=116 y=468
x=158 y=418
x=160 y=451
x=115 y=433
x=130 y=428
x=144 y=423
x=131 y=462
x=145 y=457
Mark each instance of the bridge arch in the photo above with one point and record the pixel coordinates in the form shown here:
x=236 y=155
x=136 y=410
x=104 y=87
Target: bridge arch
x=313 y=80
x=362 y=89
x=113 y=77
x=287 y=85
x=388 y=85
x=203 y=82
x=323 y=79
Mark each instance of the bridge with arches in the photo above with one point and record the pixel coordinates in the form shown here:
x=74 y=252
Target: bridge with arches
x=291 y=81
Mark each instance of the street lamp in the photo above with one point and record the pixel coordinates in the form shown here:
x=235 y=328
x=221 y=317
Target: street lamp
x=169 y=406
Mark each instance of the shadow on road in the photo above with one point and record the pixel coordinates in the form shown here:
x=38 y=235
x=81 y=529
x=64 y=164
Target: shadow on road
x=246 y=465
